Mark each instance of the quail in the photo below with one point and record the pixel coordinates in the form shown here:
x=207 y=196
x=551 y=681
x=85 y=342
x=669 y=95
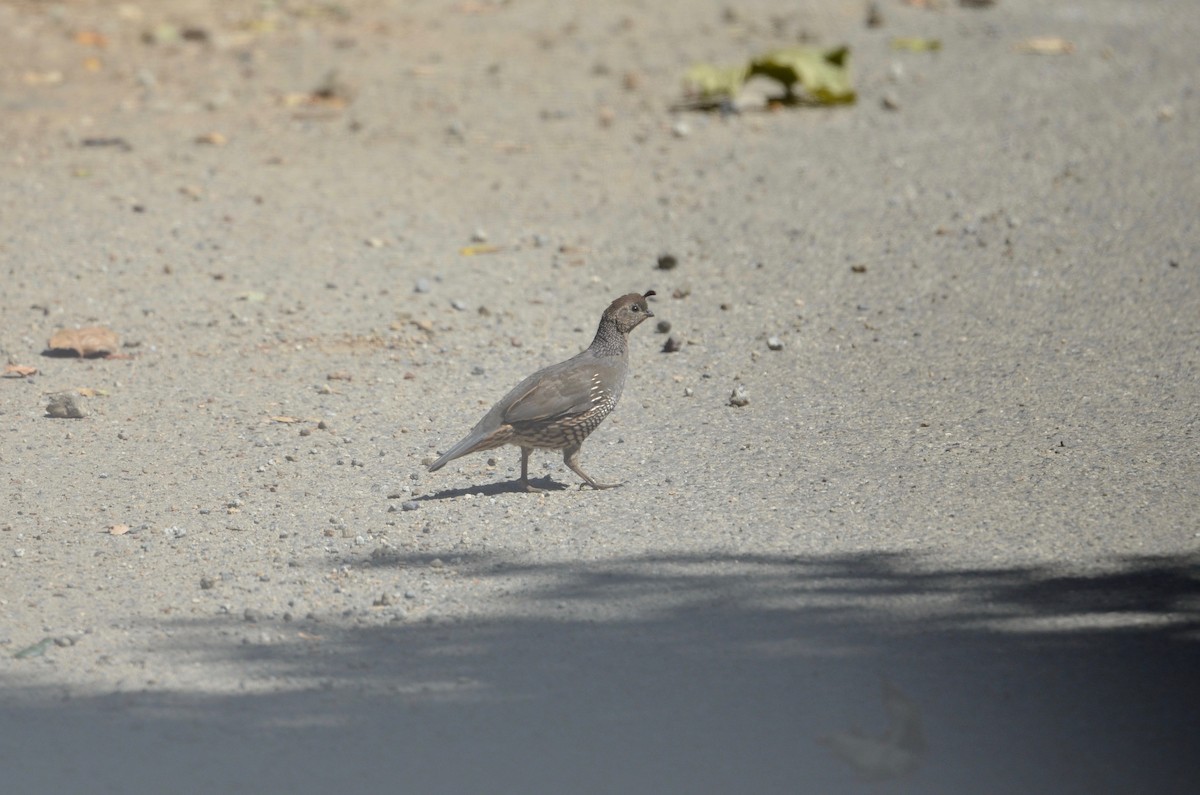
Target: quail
x=557 y=407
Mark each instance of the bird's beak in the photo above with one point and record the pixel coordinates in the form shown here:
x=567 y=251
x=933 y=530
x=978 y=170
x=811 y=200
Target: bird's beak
x=649 y=313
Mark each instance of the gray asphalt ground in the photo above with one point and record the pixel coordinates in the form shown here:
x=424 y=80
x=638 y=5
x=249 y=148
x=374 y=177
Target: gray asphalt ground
x=958 y=514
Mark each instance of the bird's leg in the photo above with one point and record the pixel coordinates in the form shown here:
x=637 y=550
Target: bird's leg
x=525 y=451
x=571 y=459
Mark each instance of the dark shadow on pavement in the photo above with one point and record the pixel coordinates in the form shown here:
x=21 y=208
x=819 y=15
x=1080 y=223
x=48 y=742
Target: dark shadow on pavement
x=671 y=674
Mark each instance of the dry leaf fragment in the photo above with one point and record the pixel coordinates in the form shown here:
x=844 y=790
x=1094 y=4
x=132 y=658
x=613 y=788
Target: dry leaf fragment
x=19 y=371
x=481 y=248
x=91 y=38
x=284 y=419
x=118 y=529
x=340 y=375
x=1046 y=45
x=85 y=342
x=51 y=78
x=213 y=138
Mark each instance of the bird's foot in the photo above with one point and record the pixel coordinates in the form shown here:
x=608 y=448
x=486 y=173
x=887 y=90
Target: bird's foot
x=525 y=485
x=597 y=486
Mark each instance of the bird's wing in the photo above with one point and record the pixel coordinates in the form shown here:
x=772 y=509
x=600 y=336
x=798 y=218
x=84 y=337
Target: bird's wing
x=551 y=393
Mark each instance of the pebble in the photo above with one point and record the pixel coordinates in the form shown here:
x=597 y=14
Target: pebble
x=410 y=505
x=207 y=583
x=667 y=262
x=739 y=397
x=681 y=129
x=479 y=236
x=459 y=305
x=774 y=343
x=672 y=345
x=688 y=391
x=422 y=286
x=663 y=326
x=64 y=406
x=251 y=615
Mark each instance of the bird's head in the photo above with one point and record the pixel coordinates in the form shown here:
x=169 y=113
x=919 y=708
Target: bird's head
x=629 y=310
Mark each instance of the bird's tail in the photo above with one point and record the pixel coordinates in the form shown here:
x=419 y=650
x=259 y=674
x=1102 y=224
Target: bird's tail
x=471 y=443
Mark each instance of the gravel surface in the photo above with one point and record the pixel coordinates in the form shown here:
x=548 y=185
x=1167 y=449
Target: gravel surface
x=910 y=505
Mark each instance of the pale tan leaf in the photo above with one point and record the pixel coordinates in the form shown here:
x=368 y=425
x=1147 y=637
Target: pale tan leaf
x=92 y=341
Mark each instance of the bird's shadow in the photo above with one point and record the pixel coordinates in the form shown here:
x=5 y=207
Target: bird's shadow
x=492 y=489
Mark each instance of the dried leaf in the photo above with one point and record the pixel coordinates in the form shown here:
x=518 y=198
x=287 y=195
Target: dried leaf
x=480 y=248
x=86 y=342
x=118 y=529
x=284 y=419
x=19 y=371
x=91 y=38
x=714 y=83
x=1046 y=45
x=823 y=74
x=807 y=74
x=916 y=44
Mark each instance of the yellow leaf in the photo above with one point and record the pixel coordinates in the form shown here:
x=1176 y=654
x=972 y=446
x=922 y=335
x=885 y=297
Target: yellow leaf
x=1046 y=45
x=480 y=248
x=916 y=44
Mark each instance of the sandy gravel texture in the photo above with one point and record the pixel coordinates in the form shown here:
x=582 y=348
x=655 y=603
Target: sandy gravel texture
x=968 y=475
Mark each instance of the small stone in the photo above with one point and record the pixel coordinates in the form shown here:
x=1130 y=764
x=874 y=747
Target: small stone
x=672 y=345
x=479 y=236
x=681 y=129
x=65 y=406
x=874 y=16
x=410 y=505
x=739 y=397
x=889 y=101
x=251 y=615
x=384 y=600
x=458 y=305
x=437 y=563
x=663 y=326
x=688 y=391
x=208 y=583
x=422 y=286
x=667 y=262
x=774 y=343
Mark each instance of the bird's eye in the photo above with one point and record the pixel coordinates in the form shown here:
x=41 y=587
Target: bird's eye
x=636 y=308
